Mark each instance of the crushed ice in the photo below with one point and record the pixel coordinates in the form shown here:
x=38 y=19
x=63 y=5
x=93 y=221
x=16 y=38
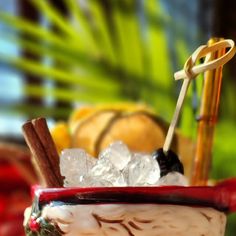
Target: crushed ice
x=115 y=166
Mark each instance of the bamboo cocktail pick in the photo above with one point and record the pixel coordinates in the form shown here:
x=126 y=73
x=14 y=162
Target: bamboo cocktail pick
x=190 y=71
x=207 y=119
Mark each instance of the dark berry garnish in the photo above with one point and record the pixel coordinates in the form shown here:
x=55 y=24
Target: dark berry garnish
x=168 y=162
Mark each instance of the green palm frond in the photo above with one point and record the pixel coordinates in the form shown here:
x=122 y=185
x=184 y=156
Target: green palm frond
x=26 y=110
x=66 y=95
x=100 y=55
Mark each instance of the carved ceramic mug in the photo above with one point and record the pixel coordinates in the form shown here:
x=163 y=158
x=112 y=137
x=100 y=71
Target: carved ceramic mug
x=129 y=211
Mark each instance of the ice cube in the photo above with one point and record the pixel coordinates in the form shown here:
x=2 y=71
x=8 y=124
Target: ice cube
x=118 y=154
x=142 y=170
x=75 y=163
x=72 y=181
x=91 y=181
x=173 y=178
x=116 y=166
x=105 y=170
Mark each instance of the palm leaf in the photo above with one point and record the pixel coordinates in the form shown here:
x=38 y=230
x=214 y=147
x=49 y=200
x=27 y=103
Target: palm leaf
x=82 y=26
x=66 y=95
x=26 y=110
x=55 y=18
x=33 y=30
x=110 y=56
x=102 y=32
x=60 y=75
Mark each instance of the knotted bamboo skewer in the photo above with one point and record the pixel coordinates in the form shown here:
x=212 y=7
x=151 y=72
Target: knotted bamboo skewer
x=190 y=71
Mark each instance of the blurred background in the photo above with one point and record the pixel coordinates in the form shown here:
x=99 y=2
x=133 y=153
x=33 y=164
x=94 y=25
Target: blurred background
x=56 y=55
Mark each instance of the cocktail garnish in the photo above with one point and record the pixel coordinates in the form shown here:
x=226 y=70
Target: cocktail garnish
x=190 y=71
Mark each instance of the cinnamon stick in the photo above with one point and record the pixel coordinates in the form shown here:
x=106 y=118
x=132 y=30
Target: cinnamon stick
x=40 y=153
x=41 y=129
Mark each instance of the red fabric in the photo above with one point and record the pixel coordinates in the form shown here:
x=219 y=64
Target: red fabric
x=14 y=198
